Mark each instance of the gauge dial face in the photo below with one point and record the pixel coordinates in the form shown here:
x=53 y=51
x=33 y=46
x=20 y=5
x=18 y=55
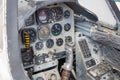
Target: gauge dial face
x=30 y=21
x=27 y=57
x=56 y=29
x=57 y=13
x=59 y=42
x=39 y=78
x=67 y=14
x=43 y=16
x=49 y=43
x=32 y=34
x=67 y=27
x=44 y=32
x=53 y=77
x=68 y=39
x=39 y=45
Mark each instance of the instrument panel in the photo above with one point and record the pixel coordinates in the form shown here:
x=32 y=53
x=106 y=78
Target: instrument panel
x=43 y=38
x=49 y=30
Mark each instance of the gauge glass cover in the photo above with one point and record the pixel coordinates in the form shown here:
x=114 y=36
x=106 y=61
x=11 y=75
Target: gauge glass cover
x=39 y=45
x=49 y=43
x=44 y=32
x=43 y=16
x=59 y=42
x=67 y=27
x=56 y=29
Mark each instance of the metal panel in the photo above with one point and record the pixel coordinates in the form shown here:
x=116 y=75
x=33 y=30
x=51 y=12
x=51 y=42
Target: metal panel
x=12 y=41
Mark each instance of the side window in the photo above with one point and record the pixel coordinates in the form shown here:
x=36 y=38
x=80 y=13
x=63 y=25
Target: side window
x=2 y=24
x=117 y=3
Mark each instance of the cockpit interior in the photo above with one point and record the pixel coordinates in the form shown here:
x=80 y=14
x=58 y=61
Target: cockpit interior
x=62 y=40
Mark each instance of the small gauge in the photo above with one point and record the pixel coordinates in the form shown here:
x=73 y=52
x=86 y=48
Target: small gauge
x=68 y=39
x=32 y=34
x=49 y=43
x=59 y=42
x=57 y=13
x=53 y=77
x=60 y=10
x=44 y=32
x=56 y=29
x=27 y=56
x=53 y=11
x=30 y=21
x=39 y=45
x=67 y=27
x=67 y=14
x=43 y=15
x=39 y=78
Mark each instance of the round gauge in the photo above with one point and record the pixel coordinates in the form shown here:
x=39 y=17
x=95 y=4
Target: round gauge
x=30 y=21
x=49 y=43
x=53 y=77
x=68 y=39
x=57 y=13
x=67 y=14
x=56 y=29
x=59 y=42
x=32 y=34
x=43 y=16
x=39 y=78
x=27 y=57
x=39 y=45
x=53 y=13
x=59 y=10
x=44 y=32
x=67 y=27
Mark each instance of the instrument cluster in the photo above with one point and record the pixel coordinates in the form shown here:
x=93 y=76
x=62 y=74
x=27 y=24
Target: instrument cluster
x=48 y=15
x=49 y=30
